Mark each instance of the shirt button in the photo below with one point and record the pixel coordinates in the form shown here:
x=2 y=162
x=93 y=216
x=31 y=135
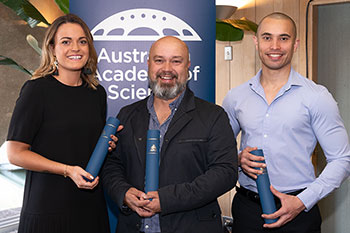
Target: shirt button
x=265 y=135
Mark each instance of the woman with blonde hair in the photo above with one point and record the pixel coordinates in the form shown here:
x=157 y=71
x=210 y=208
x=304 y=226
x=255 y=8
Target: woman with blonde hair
x=55 y=125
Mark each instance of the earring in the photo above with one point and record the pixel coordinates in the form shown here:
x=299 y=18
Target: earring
x=86 y=71
x=56 y=65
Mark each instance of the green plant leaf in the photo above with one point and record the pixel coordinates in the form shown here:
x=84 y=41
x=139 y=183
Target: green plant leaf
x=32 y=12
x=16 y=6
x=63 y=5
x=232 y=29
x=9 y=62
x=227 y=32
x=243 y=23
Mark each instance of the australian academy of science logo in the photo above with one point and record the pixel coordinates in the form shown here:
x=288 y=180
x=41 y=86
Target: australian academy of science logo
x=153 y=149
x=124 y=26
x=122 y=42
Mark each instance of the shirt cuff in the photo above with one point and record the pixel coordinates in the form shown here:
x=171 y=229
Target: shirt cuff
x=309 y=198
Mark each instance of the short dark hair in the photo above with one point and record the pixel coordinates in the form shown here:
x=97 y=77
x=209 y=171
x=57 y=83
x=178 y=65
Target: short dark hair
x=280 y=15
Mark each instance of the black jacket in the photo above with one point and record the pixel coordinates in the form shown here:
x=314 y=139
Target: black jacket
x=198 y=164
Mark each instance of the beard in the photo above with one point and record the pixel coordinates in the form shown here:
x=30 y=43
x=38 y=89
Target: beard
x=166 y=91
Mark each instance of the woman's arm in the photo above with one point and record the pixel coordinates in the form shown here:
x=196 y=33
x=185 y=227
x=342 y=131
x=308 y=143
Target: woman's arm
x=20 y=155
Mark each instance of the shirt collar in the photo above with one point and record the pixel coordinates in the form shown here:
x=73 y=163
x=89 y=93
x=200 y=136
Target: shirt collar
x=173 y=105
x=293 y=80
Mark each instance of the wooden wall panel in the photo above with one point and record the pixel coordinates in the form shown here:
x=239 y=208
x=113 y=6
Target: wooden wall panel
x=222 y=81
x=243 y=65
x=302 y=36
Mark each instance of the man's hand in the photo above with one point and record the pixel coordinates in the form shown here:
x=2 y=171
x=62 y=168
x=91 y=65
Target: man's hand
x=136 y=201
x=291 y=207
x=247 y=162
x=154 y=204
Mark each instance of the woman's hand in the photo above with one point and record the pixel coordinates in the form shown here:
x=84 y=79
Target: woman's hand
x=77 y=174
x=113 y=142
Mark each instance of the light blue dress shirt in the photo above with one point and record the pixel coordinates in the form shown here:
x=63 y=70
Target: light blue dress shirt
x=287 y=130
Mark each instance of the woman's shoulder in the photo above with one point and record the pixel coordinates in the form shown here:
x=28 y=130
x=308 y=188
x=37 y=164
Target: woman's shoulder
x=99 y=87
x=101 y=90
x=34 y=85
x=45 y=80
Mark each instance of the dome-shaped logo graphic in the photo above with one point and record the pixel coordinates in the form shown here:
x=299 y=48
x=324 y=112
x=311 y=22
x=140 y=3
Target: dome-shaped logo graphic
x=143 y=25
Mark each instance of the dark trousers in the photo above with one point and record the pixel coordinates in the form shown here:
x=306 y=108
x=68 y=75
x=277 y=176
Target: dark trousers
x=246 y=213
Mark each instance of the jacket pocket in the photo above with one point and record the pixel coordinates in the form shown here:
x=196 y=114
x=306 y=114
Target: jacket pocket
x=192 y=140
x=210 y=212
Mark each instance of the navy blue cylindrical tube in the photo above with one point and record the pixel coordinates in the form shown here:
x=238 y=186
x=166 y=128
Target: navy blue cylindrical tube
x=101 y=149
x=152 y=161
x=263 y=184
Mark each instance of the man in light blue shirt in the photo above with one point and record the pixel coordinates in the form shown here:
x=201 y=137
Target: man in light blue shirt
x=285 y=114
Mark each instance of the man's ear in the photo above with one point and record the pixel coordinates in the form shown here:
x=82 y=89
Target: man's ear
x=296 y=44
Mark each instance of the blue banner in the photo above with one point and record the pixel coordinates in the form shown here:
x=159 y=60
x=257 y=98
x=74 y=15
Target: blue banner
x=123 y=32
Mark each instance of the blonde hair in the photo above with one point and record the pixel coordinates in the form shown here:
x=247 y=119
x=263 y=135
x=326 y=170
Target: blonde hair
x=47 y=66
